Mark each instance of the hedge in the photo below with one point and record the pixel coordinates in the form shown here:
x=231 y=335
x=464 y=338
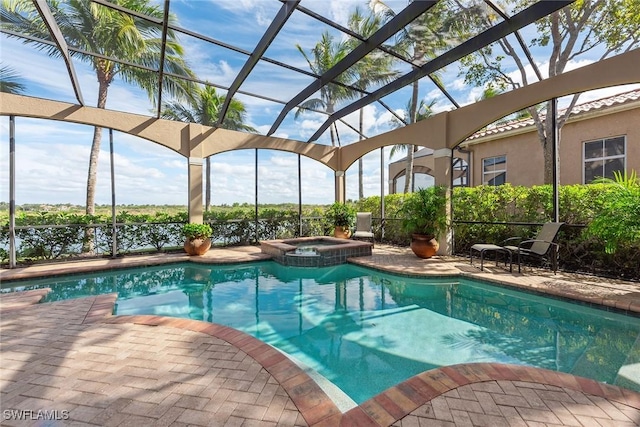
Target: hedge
x=579 y=205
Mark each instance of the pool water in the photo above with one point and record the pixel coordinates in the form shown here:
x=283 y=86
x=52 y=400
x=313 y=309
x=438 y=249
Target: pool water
x=366 y=331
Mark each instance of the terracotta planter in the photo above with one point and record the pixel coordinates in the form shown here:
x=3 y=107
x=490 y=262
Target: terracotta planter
x=424 y=246
x=341 y=232
x=197 y=246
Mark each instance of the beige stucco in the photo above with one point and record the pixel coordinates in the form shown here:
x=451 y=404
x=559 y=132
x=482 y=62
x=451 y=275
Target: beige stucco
x=525 y=163
x=521 y=146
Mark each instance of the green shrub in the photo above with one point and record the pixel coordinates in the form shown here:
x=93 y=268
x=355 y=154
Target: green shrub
x=617 y=223
x=423 y=212
x=340 y=215
x=196 y=231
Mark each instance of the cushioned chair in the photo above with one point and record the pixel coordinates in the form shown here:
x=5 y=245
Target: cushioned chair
x=543 y=247
x=364 y=230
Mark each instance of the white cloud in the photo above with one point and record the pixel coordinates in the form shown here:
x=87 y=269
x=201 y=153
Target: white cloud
x=175 y=164
x=289 y=160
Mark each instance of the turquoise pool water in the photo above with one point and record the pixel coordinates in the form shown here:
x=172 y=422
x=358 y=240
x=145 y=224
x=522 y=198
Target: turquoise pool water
x=365 y=331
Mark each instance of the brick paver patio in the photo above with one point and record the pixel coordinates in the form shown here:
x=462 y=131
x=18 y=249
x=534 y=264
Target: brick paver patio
x=73 y=357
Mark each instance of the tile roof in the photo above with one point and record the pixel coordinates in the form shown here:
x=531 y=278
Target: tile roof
x=598 y=104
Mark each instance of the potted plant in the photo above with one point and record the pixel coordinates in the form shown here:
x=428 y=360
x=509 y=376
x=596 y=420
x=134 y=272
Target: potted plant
x=198 y=238
x=423 y=216
x=342 y=217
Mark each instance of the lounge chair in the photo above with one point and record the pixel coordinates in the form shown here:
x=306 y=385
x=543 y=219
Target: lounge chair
x=364 y=230
x=543 y=247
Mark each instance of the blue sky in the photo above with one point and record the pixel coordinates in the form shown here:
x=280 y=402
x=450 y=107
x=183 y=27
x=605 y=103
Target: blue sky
x=52 y=157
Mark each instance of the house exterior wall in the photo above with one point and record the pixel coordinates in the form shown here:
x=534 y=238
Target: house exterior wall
x=574 y=135
x=525 y=162
x=524 y=158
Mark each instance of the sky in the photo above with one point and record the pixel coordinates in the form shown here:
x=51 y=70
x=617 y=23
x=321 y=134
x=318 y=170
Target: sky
x=52 y=157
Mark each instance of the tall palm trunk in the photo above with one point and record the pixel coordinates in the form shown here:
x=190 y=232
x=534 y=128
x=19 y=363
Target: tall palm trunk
x=92 y=176
x=332 y=128
x=408 y=173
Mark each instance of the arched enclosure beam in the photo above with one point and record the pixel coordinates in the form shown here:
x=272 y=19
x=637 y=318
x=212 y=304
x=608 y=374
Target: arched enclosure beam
x=445 y=130
x=416 y=169
x=618 y=70
x=220 y=140
x=448 y=129
x=162 y=132
x=188 y=140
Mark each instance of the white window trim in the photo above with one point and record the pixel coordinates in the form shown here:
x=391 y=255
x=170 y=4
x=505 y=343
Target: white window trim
x=595 y=159
x=494 y=171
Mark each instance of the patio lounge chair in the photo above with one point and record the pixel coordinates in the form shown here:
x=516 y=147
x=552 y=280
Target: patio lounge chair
x=543 y=247
x=364 y=230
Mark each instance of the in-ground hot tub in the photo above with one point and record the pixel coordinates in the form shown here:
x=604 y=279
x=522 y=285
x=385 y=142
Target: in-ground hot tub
x=314 y=251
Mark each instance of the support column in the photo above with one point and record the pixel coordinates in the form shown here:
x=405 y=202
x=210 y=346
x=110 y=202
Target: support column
x=195 y=190
x=299 y=195
x=12 y=191
x=194 y=136
x=340 y=186
x=256 y=194
x=443 y=174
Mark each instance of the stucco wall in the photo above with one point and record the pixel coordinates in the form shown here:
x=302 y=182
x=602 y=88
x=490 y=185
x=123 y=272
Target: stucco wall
x=525 y=161
x=524 y=158
x=575 y=134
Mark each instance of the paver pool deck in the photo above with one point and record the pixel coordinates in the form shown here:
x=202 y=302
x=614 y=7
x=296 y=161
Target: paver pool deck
x=93 y=368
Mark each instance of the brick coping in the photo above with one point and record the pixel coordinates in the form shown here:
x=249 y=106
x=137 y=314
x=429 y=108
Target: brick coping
x=397 y=401
x=383 y=409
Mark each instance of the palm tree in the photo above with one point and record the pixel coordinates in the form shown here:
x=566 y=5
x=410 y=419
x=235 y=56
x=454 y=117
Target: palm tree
x=10 y=81
x=372 y=69
x=420 y=41
x=109 y=33
x=326 y=54
x=423 y=111
x=204 y=107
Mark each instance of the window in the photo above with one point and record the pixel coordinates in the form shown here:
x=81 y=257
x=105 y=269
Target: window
x=494 y=170
x=604 y=157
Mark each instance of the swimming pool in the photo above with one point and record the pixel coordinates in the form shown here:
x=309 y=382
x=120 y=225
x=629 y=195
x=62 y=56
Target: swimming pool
x=365 y=331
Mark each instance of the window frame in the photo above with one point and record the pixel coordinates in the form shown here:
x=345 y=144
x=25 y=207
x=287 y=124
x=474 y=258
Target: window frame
x=494 y=171
x=603 y=158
